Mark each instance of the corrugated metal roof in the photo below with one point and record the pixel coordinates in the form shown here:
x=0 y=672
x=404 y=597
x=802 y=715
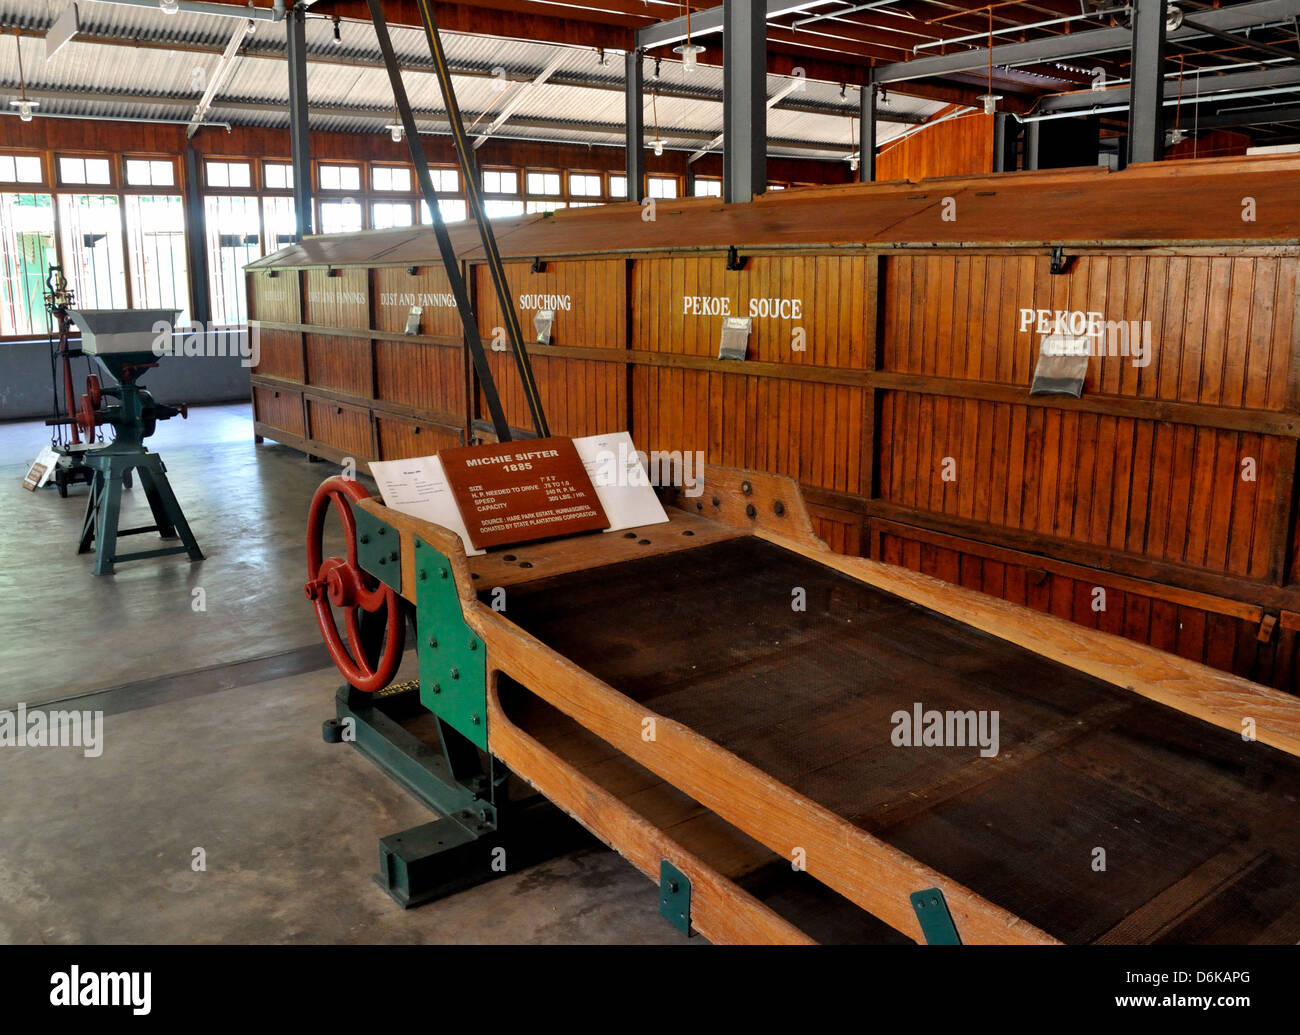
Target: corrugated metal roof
x=146 y=56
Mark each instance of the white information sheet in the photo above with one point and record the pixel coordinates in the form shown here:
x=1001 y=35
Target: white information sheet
x=418 y=487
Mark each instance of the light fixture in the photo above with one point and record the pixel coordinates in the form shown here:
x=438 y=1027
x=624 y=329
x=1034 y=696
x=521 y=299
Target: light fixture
x=853 y=162
x=658 y=146
x=602 y=59
x=23 y=105
x=338 y=39
x=395 y=131
x=688 y=50
x=169 y=6
x=1173 y=18
x=990 y=102
x=1175 y=136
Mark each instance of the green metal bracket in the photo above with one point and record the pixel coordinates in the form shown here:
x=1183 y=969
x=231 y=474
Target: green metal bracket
x=379 y=548
x=936 y=922
x=453 y=664
x=675 y=897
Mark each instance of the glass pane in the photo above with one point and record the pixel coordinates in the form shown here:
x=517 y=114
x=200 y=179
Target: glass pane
x=618 y=186
x=97 y=170
x=382 y=177
x=29 y=169
x=281 y=223
x=92 y=250
x=138 y=173
x=240 y=174
x=387 y=214
x=350 y=177
x=496 y=209
x=329 y=177
x=72 y=170
x=164 y=174
x=26 y=252
x=233 y=240
x=340 y=217
x=7 y=173
x=155 y=233
x=218 y=174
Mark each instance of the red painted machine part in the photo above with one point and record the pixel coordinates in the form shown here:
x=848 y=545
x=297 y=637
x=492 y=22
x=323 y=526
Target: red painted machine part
x=342 y=583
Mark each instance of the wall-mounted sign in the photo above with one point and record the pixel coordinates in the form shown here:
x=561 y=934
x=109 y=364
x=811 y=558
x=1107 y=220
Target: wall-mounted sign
x=515 y=492
x=735 y=337
x=706 y=305
x=534 y=302
x=339 y=297
x=542 y=322
x=425 y=299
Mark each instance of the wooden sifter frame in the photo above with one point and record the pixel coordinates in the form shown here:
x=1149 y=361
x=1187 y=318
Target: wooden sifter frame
x=865 y=869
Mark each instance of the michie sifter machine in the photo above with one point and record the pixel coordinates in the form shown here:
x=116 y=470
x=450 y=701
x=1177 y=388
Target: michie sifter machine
x=791 y=742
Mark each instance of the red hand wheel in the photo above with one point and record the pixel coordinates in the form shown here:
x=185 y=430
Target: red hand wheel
x=342 y=583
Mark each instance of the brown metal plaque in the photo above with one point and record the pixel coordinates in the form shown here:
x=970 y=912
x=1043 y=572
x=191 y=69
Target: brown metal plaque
x=514 y=492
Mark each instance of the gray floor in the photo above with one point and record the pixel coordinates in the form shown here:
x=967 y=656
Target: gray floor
x=100 y=849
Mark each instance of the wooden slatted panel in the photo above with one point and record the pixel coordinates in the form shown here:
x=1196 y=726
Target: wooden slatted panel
x=1163 y=490
x=670 y=409
x=829 y=293
x=340 y=363
x=396 y=290
x=273 y=298
x=1219 y=329
x=399 y=439
x=579 y=397
x=588 y=297
x=278 y=409
x=1218 y=640
x=343 y=427
x=279 y=353
x=341 y=300
x=430 y=377
x=958 y=146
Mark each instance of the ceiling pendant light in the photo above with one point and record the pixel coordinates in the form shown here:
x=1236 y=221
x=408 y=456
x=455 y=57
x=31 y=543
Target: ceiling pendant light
x=169 y=6
x=688 y=50
x=338 y=39
x=24 y=106
x=658 y=142
x=395 y=128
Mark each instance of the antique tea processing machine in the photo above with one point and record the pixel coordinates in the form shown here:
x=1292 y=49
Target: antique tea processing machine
x=746 y=716
x=121 y=340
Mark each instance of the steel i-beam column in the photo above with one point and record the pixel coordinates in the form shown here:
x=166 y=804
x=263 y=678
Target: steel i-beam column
x=744 y=100
x=1146 y=137
x=299 y=147
x=635 y=95
x=867 y=134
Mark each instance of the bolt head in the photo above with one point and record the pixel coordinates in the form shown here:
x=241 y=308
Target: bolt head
x=364 y=540
x=475 y=719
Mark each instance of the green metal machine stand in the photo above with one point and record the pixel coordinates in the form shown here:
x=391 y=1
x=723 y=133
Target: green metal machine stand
x=123 y=341
x=111 y=471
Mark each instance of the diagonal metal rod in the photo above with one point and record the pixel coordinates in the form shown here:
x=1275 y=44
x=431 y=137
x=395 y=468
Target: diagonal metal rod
x=449 y=261
x=469 y=172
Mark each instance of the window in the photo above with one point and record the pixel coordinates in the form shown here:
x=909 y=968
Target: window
x=234 y=239
x=708 y=188
x=155 y=230
x=277 y=175
x=84 y=170
x=495 y=208
x=663 y=187
x=543 y=183
x=585 y=185
x=446 y=181
x=585 y=204
x=150 y=173
x=387 y=214
x=92 y=249
x=228 y=174
x=618 y=186
x=387 y=177
x=340 y=217
x=497 y=182
x=340 y=177
x=26 y=253
x=776 y=186
x=543 y=205
x=20 y=169
x=280 y=220
x=452 y=209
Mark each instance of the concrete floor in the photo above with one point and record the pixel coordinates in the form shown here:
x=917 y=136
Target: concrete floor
x=212 y=737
